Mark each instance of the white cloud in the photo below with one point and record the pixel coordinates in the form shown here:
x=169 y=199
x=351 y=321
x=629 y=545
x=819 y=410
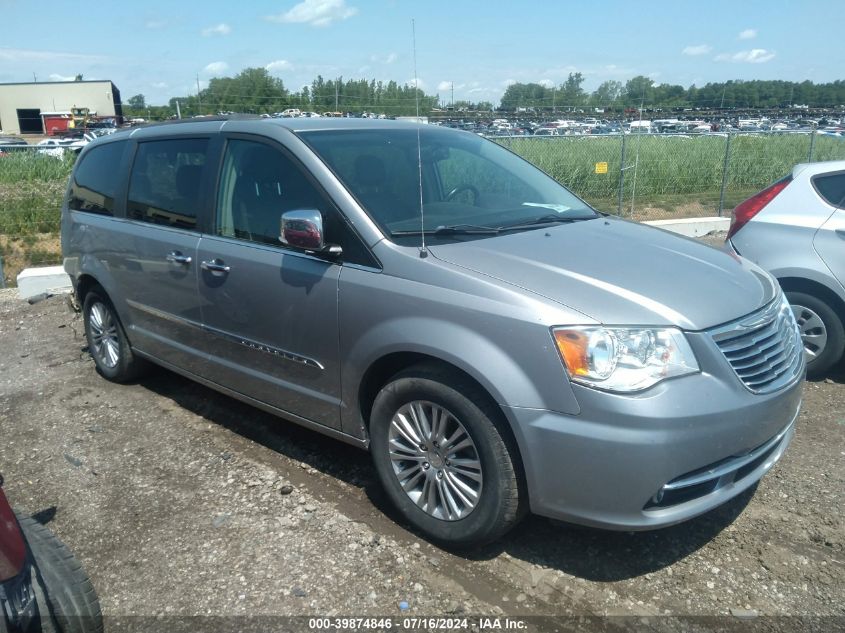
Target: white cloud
x=57 y=77
x=280 y=65
x=546 y=83
x=387 y=59
x=155 y=24
x=508 y=82
x=217 y=29
x=215 y=68
x=698 y=49
x=315 y=13
x=754 y=56
x=416 y=82
x=748 y=34
x=160 y=85
x=28 y=55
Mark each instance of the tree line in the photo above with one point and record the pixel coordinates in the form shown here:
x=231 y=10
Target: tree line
x=643 y=91
x=256 y=91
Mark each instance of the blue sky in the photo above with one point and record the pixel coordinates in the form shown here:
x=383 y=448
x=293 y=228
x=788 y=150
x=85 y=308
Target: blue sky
x=158 y=48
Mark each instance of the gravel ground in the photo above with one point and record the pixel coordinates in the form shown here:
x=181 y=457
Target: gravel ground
x=181 y=501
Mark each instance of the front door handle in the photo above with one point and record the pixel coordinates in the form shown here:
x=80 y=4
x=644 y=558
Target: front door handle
x=178 y=258
x=215 y=266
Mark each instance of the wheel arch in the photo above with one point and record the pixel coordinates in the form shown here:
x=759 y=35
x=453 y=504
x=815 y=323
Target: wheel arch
x=380 y=372
x=816 y=289
x=383 y=369
x=84 y=284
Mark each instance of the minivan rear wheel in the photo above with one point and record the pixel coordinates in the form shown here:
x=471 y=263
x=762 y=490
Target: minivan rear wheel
x=107 y=342
x=444 y=457
x=822 y=332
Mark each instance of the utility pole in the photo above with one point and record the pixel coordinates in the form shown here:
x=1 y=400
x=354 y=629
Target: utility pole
x=336 y=84
x=199 y=98
x=453 y=95
x=178 y=111
x=723 y=95
x=34 y=78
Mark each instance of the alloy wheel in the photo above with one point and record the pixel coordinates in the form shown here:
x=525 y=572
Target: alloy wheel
x=104 y=336
x=435 y=460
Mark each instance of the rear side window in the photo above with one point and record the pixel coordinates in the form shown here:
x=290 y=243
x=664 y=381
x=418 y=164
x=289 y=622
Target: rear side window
x=164 y=187
x=95 y=180
x=831 y=188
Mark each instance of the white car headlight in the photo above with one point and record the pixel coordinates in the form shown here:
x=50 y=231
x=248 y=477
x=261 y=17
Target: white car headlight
x=624 y=359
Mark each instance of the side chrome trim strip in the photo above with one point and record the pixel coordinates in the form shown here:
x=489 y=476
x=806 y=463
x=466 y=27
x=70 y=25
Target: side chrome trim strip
x=240 y=340
x=363 y=443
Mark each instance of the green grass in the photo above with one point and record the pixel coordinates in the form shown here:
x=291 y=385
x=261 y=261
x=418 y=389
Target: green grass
x=31 y=190
x=667 y=173
x=30 y=166
x=670 y=171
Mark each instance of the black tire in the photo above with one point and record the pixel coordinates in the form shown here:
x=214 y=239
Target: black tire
x=67 y=601
x=128 y=366
x=502 y=500
x=835 y=346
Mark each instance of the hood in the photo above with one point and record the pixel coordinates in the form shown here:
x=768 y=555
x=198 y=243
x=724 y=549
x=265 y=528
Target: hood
x=621 y=273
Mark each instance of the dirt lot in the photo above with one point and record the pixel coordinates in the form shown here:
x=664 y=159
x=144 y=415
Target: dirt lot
x=173 y=496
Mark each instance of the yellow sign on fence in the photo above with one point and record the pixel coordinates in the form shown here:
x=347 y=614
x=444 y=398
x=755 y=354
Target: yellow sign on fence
x=601 y=168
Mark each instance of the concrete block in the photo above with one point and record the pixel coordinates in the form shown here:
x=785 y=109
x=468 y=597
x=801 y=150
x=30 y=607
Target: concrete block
x=44 y=279
x=692 y=227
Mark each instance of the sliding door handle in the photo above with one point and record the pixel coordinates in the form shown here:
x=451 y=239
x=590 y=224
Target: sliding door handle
x=215 y=266
x=178 y=258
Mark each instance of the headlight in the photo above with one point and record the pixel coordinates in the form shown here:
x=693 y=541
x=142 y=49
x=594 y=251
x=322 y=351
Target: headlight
x=624 y=359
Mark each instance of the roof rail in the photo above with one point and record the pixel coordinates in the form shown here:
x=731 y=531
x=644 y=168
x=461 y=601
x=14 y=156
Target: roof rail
x=201 y=119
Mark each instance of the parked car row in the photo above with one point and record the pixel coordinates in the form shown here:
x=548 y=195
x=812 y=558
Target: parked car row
x=592 y=125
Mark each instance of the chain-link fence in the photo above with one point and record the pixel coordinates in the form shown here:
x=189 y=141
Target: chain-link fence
x=32 y=182
x=639 y=175
x=648 y=176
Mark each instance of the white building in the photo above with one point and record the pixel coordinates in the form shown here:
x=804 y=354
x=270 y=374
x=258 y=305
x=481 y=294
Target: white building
x=22 y=104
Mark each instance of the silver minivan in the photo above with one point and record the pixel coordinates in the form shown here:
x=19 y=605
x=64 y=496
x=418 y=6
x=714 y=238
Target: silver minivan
x=497 y=344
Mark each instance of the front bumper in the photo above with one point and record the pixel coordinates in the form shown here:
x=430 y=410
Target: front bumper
x=660 y=457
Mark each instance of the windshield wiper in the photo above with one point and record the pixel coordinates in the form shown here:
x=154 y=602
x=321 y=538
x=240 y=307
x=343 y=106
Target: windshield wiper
x=454 y=229
x=544 y=220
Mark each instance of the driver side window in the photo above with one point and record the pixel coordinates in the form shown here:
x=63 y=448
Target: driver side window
x=259 y=183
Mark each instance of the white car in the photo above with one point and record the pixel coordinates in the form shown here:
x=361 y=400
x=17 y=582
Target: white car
x=795 y=229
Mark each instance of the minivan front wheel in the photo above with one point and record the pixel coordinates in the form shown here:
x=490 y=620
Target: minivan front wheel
x=444 y=459
x=822 y=331
x=107 y=342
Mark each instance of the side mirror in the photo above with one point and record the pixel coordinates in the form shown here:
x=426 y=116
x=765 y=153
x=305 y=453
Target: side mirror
x=303 y=229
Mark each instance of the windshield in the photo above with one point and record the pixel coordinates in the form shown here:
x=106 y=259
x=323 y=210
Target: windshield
x=469 y=184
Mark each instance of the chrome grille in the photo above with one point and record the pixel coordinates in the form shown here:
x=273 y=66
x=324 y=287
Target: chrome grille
x=764 y=348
